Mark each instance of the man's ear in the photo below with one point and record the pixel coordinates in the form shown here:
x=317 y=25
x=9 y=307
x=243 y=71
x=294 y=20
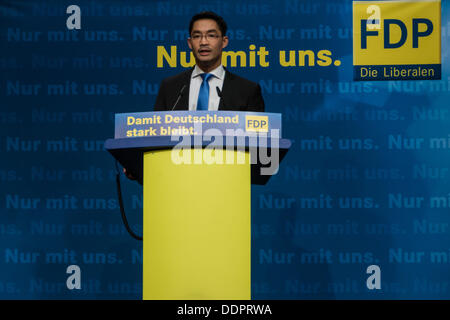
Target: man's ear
x=224 y=42
x=189 y=43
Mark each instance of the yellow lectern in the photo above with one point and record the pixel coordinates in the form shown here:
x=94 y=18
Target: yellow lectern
x=197 y=215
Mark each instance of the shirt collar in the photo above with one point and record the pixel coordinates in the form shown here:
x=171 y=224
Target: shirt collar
x=218 y=72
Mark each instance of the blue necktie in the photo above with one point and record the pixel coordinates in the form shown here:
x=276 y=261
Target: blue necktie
x=203 y=95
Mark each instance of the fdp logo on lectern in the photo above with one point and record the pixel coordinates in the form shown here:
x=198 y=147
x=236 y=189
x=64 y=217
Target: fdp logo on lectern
x=397 y=40
x=257 y=123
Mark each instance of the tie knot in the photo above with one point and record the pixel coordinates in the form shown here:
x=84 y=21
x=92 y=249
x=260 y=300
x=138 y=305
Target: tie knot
x=206 y=76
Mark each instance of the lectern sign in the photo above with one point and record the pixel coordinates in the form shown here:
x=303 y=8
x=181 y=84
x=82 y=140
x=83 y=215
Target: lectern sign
x=168 y=123
x=397 y=40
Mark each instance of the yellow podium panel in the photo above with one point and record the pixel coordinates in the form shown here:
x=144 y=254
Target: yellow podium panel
x=197 y=227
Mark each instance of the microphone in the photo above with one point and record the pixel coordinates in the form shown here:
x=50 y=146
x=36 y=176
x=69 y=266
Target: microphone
x=219 y=93
x=179 y=97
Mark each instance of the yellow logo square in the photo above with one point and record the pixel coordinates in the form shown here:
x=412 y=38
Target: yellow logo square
x=397 y=40
x=257 y=123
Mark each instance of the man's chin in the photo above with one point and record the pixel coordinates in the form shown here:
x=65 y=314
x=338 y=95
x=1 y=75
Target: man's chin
x=206 y=62
x=204 y=59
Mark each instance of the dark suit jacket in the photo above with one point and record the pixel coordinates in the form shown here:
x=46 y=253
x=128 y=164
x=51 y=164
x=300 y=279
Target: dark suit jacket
x=238 y=94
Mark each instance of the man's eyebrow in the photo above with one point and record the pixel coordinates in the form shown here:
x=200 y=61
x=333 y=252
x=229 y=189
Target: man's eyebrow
x=209 y=31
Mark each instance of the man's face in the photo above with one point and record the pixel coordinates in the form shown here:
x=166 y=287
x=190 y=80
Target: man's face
x=206 y=42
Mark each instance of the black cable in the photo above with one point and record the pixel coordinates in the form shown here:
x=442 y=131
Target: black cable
x=122 y=210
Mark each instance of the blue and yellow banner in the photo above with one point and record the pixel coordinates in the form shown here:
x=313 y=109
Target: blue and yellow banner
x=397 y=40
x=179 y=123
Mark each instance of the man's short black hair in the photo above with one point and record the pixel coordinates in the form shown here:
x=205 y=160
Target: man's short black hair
x=209 y=15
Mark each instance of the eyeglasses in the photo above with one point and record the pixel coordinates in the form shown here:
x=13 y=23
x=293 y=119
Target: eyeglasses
x=208 y=36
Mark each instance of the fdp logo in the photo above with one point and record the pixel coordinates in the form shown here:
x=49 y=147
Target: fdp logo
x=397 y=40
x=257 y=123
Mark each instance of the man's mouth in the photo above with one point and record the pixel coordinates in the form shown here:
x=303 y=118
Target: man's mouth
x=204 y=52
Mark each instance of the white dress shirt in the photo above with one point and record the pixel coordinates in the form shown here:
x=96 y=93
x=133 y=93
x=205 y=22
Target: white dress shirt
x=215 y=81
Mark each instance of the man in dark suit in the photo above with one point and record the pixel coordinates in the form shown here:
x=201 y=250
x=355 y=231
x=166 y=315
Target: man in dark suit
x=207 y=86
x=221 y=90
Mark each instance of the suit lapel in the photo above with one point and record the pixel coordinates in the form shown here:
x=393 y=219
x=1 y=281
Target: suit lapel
x=227 y=90
x=183 y=104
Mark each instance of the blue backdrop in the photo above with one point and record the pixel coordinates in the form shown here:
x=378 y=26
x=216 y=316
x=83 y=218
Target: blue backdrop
x=365 y=183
